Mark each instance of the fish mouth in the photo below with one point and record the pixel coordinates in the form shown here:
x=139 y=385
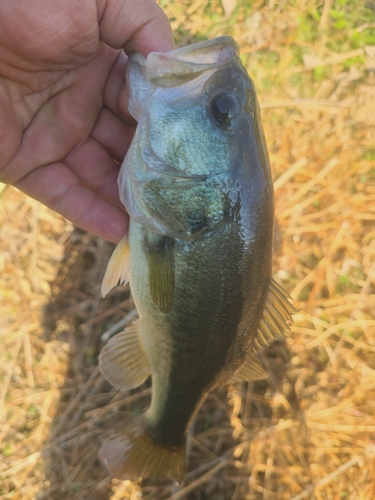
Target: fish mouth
x=209 y=51
x=179 y=66
x=187 y=65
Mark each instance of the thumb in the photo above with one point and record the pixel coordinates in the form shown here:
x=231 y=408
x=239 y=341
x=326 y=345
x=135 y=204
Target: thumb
x=136 y=26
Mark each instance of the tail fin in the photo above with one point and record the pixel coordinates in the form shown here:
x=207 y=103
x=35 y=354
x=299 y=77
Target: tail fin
x=134 y=454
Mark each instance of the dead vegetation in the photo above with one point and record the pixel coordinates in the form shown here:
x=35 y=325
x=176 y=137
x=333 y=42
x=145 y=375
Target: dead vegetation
x=309 y=431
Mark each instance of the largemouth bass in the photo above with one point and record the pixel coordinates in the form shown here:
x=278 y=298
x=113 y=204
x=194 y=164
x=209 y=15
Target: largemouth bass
x=196 y=183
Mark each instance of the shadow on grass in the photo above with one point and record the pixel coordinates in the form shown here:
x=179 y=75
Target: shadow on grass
x=74 y=320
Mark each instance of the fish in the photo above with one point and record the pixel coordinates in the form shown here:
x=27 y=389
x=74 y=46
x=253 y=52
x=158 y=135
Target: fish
x=196 y=183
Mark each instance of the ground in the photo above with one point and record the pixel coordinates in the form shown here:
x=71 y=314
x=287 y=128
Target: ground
x=309 y=430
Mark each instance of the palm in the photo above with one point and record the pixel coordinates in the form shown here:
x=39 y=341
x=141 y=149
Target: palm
x=63 y=110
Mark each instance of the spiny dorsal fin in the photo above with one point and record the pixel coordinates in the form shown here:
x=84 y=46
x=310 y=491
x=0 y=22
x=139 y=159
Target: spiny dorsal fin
x=277 y=315
x=117 y=268
x=250 y=370
x=123 y=361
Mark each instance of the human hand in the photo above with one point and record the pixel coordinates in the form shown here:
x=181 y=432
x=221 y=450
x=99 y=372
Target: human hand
x=64 y=123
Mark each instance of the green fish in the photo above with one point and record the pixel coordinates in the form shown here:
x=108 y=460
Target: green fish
x=196 y=183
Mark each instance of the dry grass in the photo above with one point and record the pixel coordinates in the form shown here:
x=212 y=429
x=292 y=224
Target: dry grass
x=309 y=432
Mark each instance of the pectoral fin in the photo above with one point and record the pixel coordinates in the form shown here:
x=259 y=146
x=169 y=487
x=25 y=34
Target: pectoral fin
x=117 y=268
x=277 y=315
x=161 y=272
x=250 y=370
x=123 y=361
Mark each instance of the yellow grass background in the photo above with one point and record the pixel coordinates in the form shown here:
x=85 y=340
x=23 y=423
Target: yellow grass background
x=309 y=431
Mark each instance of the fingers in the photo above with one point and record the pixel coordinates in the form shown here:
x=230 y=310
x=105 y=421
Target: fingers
x=113 y=92
x=137 y=26
x=96 y=170
x=10 y=127
x=113 y=134
x=57 y=187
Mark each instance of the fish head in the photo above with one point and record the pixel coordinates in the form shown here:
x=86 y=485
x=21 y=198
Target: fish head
x=198 y=122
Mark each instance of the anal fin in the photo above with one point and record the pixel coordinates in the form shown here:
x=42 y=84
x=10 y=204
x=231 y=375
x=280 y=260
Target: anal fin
x=277 y=315
x=123 y=361
x=117 y=267
x=250 y=370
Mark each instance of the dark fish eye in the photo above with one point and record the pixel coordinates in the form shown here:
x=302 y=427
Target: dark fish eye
x=224 y=108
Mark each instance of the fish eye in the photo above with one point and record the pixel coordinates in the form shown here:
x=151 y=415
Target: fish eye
x=224 y=108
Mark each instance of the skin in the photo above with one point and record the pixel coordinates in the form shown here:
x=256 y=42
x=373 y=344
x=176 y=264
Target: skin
x=64 y=121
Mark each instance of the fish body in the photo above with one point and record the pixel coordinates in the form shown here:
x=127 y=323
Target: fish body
x=196 y=183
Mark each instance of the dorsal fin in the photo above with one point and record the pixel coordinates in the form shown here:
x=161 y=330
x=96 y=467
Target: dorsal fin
x=277 y=315
x=117 y=267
